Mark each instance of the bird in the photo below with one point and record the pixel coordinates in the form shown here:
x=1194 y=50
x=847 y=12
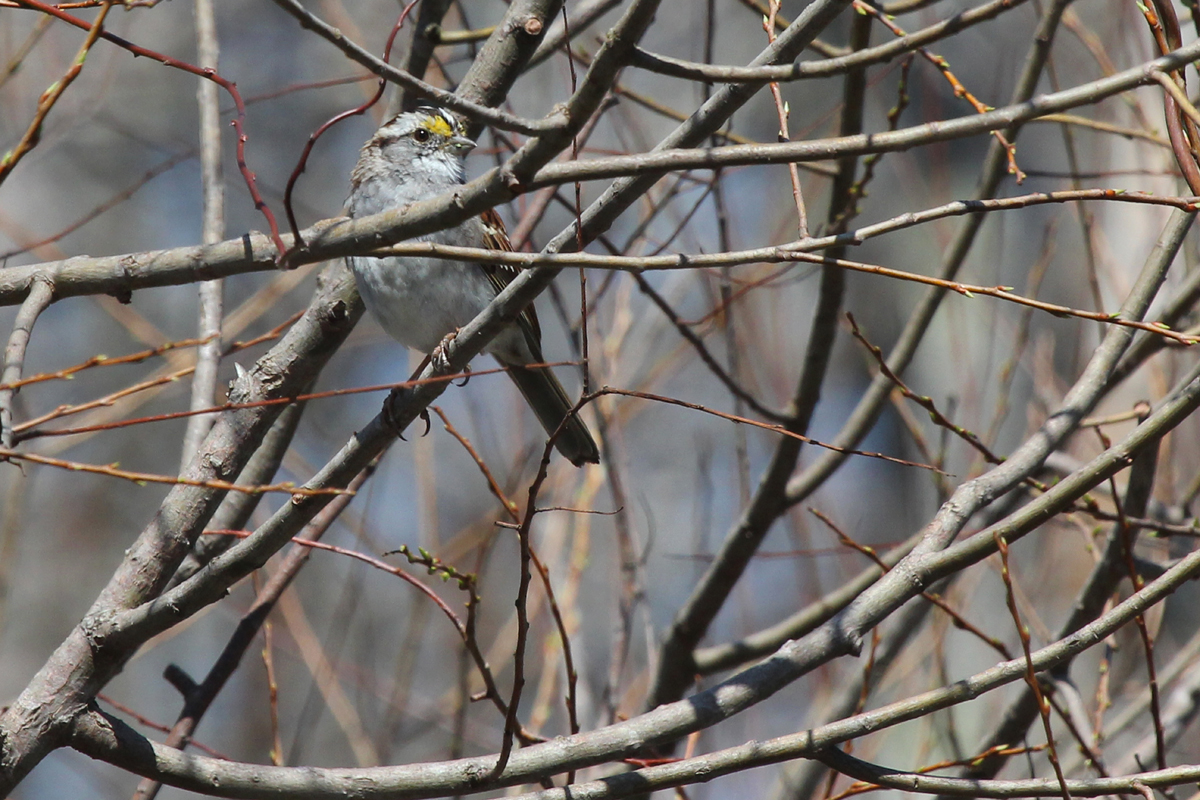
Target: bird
x=421 y=300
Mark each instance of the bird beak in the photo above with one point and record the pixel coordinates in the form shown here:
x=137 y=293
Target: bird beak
x=461 y=144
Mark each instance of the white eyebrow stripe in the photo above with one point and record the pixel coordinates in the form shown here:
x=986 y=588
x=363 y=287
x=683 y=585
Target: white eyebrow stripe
x=451 y=120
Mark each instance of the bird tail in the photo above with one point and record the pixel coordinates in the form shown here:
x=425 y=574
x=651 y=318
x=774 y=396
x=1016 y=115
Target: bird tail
x=549 y=402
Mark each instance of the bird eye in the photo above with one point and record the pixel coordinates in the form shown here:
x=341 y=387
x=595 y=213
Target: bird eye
x=420 y=135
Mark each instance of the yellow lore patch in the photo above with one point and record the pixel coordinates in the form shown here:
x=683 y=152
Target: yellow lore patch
x=437 y=124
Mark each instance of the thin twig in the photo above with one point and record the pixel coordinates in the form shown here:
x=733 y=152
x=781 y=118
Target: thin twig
x=302 y=162
x=33 y=133
x=781 y=110
x=113 y=471
x=943 y=66
x=1030 y=674
x=41 y=293
x=1127 y=540
x=212 y=189
x=198 y=697
x=956 y=618
x=209 y=74
x=782 y=253
x=480 y=113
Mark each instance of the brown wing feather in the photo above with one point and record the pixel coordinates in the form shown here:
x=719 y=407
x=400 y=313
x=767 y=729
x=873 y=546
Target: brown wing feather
x=496 y=238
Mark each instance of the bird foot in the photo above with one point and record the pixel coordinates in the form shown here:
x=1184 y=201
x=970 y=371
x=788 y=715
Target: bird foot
x=391 y=412
x=439 y=359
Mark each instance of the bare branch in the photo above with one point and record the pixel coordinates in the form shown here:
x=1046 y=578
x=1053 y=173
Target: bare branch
x=103 y=737
x=38 y=300
x=212 y=189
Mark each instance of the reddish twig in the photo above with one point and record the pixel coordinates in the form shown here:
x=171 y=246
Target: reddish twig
x=511 y=723
x=961 y=91
x=742 y=420
x=1030 y=675
x=998 y=750
x=705 y=355
x=104 y=361
x=561 y=624
x=1181 y=130
x=113 y=471
x=33 y=133
x=924 y=401
x=302 y=87
x=957 y=619
x=302 y=163
x=156 y=726
x=493 y=484
x=1135 y=577
x=207 y=74
x=108 y=400
x=466 y=630
x=511 y=508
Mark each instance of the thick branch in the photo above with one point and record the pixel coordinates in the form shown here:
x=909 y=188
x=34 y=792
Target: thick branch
x=38 y=720
x=109 y=739
x=119 y=275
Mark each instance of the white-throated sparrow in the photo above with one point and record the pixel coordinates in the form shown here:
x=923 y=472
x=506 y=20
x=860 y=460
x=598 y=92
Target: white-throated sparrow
x=419 y=301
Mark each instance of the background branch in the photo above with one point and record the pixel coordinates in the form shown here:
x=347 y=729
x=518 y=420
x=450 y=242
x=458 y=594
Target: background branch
x=682 y=590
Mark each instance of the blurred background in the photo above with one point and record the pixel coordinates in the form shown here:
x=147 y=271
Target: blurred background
x=370 y=671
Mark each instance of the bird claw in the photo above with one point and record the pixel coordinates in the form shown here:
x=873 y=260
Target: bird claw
x=438 y=357
x=398 y=395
